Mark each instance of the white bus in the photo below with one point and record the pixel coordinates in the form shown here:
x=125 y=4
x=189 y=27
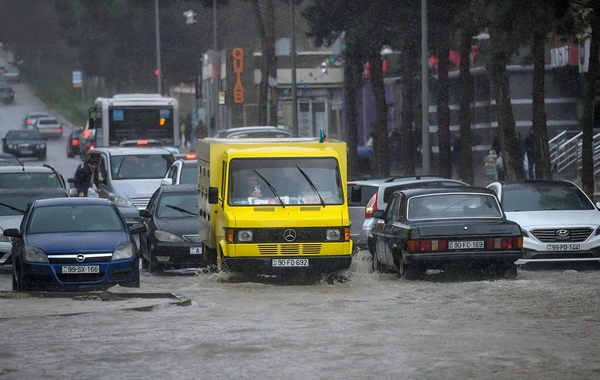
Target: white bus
x=131 y=117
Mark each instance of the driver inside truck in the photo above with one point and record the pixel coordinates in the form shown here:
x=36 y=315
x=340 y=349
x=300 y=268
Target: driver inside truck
x=249 y=187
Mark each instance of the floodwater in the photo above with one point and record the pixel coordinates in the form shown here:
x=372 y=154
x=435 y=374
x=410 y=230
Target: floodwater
x=359 y=325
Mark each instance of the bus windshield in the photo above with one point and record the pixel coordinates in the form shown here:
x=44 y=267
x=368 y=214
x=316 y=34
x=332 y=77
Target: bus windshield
x=147 y=122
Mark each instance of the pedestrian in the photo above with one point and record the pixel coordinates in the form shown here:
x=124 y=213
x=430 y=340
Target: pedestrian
x=491 y=173
x=500 y=168
x=86 y=177
x=182 y=132
x=201 y=130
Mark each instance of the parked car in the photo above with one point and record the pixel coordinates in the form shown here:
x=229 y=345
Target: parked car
x=129 y=176
x=73 y=142
x=171 y=239
x=7 y=159
x=142 y=143
x=254 y=132
x=31 y=177
x=7 y=94
x=12 y=74
x=13 y=205
x=74 y=243
x=49 y=127
x=25 y=143
x=560 y=223
x=460 y=228
x=370 y=195
x=31 y=118
x=182 y=172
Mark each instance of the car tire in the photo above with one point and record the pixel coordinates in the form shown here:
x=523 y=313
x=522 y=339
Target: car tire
x=210 y=255
x=406 y=271
x=511 y=271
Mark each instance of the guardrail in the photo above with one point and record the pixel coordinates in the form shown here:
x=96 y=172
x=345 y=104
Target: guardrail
x=565 y=153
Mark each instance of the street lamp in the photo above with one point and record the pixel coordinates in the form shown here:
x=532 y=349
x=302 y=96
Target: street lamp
x=217 y=64
x=158 y=71
x=425 y=148
x=294 y=94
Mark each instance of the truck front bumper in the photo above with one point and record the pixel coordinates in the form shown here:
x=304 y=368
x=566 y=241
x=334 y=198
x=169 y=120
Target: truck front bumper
x=264 y=265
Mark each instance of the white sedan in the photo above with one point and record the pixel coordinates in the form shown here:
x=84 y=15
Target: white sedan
x=559 y=221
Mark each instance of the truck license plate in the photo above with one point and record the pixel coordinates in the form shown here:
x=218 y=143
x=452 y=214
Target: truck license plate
x=77 y=269
x=289 y=263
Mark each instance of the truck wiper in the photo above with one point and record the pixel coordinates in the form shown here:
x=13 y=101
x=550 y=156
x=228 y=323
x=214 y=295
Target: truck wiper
x=13 y=208
x=312 y=185
x=270 y=187
x=182 y=210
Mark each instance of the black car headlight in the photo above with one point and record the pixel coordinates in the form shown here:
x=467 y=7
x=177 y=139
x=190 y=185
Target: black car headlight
x=167 y=237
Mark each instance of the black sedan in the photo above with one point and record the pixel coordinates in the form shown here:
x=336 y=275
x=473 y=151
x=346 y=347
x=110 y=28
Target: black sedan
x=73 y=142
x=171 y=218
x=7 y=159
x=24 y=143
x=445 y=228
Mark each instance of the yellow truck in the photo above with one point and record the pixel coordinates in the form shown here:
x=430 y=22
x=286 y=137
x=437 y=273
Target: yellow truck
x=269 y=206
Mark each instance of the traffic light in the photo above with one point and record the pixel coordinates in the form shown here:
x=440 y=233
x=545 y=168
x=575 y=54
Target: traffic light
x=198 y=84
x=157 y=72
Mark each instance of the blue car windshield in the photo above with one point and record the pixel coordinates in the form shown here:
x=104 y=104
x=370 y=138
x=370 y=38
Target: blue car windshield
x=80 y=218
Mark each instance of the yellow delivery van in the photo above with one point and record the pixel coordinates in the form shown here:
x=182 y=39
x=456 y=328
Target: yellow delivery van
x=268 y=206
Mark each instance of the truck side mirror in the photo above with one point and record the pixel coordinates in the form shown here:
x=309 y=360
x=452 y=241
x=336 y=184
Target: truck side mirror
x=213 y=195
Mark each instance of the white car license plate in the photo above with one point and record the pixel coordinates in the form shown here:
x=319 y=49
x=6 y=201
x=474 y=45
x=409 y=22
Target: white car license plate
x=283 y=263
x=195 y=250
x=562 y=247
x=76 y=269
x=465 y=244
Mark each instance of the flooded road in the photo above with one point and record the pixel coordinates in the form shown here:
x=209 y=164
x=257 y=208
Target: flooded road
x=544 y=325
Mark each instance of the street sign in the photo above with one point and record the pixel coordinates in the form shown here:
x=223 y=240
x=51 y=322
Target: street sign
x=77 y=79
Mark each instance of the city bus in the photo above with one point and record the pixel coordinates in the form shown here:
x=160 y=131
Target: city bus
x=127 y=117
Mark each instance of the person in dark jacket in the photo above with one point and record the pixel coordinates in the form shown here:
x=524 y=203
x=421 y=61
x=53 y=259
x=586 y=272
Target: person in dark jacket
x=87 y=174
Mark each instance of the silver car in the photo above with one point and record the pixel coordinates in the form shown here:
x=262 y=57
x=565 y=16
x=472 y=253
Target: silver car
x=559 y=221
x=366 y=196
x=49 y=127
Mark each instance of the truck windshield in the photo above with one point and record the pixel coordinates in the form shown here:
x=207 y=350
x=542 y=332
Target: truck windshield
x=290 y=184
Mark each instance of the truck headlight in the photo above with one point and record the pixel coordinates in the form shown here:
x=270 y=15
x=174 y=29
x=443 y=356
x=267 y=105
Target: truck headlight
x=35 y=255
x=120 y=202
x=166 y=236
x=124 y=251
x=333 y=234
x=245 y=236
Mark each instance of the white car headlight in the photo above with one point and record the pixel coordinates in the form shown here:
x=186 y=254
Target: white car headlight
x=333 y=234
x=120 y=202
x=167 y=237
x=35 y=255
x=124 y=251
x=245 y=235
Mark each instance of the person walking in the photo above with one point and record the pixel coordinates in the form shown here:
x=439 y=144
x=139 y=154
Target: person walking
x=86 y=177
x=201 y=130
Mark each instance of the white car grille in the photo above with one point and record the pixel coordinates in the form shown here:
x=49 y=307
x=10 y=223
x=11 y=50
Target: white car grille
x=574 y=235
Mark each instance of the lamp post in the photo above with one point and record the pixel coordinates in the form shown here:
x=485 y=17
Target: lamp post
x=217 y=64
x=294 y=93
x=425 y=148
x=159 y=72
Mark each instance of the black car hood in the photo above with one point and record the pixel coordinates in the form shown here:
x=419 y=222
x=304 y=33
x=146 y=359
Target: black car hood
x=178 y=226
x=483 y=227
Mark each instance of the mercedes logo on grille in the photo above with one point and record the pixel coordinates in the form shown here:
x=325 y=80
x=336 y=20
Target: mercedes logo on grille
x=562 y=232
x=80 y=258
x=289 y=235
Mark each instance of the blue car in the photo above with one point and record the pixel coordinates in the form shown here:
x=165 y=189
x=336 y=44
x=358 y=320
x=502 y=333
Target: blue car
x=69 y=244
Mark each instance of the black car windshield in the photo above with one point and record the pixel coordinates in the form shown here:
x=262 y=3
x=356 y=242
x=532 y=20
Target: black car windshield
x=24 y=180
x=315 y=181
x=80 y=218
x=453 y=206
x=540 y=197
x=178 y=206
x=29 y=134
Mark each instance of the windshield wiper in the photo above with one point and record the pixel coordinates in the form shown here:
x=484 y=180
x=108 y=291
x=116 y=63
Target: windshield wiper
x=270 y=187
x=312 y=185
x=13 y=208
x=182 y=210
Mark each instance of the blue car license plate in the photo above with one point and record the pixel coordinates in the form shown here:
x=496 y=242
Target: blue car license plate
x=76 y=269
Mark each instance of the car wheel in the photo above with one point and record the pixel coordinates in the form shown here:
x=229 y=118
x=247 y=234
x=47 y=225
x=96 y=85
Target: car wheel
x=511 y=271
x=406 y=271
x=210 y=255
x=376 y=266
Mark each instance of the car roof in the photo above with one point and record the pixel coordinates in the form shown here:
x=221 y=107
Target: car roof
x=125 y=151
x=26 y=169
x=400 y=180
x=537 y=182
x=72 y=201
x=186 y=188
x=444 y=190
x=59 y=192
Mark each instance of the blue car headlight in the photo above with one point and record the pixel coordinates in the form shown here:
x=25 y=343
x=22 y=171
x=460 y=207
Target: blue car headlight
x=166 y=237
x=119 y=201
x=123 y=252
x=35 y=255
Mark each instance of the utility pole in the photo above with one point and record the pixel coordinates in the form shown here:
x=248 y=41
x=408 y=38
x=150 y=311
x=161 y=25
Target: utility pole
x=294 y=93
x=425 y=148
x=217 y=63
x=159 y=71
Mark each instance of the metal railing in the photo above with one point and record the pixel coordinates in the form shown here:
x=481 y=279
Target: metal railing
x=565 y=153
